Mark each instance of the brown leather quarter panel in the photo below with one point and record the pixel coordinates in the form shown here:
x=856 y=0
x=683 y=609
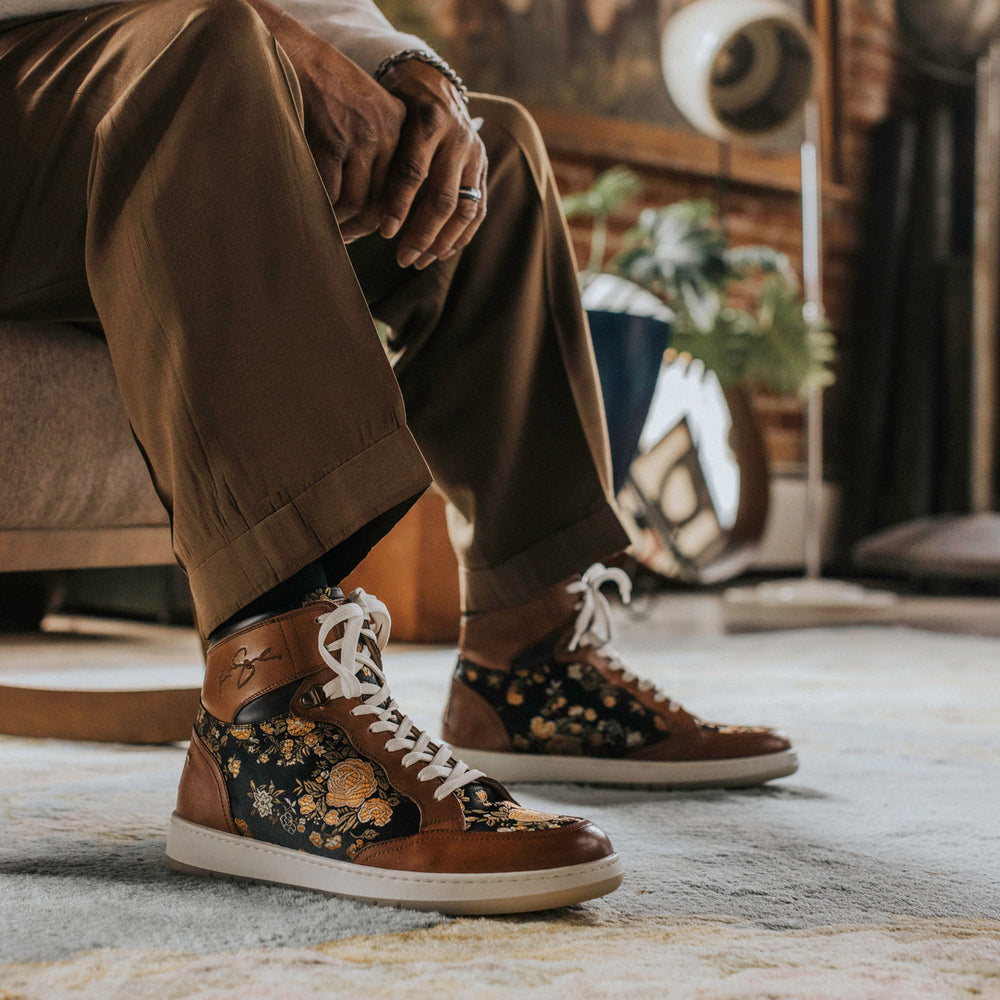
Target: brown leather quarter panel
x=201 y=796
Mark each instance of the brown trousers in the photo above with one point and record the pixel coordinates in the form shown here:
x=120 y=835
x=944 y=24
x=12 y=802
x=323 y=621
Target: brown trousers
x=156 y=180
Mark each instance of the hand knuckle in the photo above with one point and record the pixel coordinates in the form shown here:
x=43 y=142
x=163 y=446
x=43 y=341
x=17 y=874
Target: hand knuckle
x=430 y=117
x=350 y=206
x=411 y=172
x=365 y=135
x=444 y=202
x=339 y=151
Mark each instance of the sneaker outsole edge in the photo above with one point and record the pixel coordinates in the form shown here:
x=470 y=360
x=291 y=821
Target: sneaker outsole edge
x=198 y=850
x=734 y=772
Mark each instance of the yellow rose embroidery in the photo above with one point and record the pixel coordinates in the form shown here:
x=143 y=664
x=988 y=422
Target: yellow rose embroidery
x=376 y=811
x=307 y=805
x=350 y=783
x=299 y=727
x=316 y=839
x=541 y=729
x=514 y=697
x=521 y=815
x=240 y=732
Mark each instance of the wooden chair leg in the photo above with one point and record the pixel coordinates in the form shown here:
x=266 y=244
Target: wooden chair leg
x=154 y=716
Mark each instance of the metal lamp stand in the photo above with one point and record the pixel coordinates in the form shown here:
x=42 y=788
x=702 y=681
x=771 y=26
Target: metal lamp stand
x=810 y=596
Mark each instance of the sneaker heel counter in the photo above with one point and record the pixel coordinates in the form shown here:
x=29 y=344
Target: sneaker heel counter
x=470 y=721
x=202 y=795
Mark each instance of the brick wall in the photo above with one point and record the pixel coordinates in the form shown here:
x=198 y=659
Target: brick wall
x=867 y=76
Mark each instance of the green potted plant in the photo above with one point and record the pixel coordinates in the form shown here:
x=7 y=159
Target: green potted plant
x=737 y=310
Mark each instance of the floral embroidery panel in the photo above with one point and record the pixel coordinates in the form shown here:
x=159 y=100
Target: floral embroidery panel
x=301 y=784
x=572 y=709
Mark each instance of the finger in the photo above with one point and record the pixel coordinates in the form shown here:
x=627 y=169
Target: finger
x=331 y=167
x=441 y=217
x=368 y=220
x=356 y=179
x=411 y=167
x=464 y=223
x=361 y=225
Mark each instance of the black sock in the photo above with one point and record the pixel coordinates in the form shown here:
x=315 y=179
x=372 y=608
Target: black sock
x=339 y=561
x=286 y=595
x=327 y=571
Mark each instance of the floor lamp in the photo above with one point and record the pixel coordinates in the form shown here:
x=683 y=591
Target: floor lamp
x=742 y=70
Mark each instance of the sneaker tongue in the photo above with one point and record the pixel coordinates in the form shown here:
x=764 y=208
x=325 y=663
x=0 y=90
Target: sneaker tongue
x=367 y=676
x=335 y=595
x=483 y=794
x=323 y=594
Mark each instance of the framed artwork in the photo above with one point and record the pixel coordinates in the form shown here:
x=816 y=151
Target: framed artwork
x=589 y=71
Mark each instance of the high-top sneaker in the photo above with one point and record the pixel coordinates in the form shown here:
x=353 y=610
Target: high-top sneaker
x=303 y=771
x=532 y=704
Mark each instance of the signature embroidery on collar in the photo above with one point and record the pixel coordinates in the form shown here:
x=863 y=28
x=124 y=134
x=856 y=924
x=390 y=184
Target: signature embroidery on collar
x=247 y=667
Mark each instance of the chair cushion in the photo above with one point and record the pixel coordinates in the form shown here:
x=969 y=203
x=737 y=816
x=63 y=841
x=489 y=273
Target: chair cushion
x=66 y=449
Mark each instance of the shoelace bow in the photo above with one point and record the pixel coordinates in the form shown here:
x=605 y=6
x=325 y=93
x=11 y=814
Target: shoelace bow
x=594 y=627
x=366 y=621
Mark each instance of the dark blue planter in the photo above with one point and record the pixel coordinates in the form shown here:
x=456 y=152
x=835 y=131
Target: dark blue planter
x=629 y=350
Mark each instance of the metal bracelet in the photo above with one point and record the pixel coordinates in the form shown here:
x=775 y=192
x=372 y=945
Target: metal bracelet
x=424 y=56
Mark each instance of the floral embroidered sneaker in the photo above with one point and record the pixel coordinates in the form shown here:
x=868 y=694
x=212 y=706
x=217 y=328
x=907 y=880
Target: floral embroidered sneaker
x=532 y=704
x=303 y=771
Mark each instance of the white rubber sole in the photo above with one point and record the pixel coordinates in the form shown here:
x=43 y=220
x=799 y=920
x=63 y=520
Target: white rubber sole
x=735 y=772
x=198 y=850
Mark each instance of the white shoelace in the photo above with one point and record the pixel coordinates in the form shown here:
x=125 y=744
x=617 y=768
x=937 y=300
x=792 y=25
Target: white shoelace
x=366 y=617
x=594 y=627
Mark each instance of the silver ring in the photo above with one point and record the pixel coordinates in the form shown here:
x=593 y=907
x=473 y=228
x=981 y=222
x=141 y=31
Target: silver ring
x=470 y=193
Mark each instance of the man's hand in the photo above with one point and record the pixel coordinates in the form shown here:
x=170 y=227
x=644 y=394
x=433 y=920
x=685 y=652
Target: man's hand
x=352 y=123
x=393 y=154
x=439 y=151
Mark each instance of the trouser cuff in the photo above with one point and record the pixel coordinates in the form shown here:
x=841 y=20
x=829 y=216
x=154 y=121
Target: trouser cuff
x=544 y=564
x=309 y=525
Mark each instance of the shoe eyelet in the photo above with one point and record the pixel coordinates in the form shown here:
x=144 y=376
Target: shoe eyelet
x=313 y=698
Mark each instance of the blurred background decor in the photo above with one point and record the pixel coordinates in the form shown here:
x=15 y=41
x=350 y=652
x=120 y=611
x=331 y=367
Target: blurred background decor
x=922 y=497
x=698 y=490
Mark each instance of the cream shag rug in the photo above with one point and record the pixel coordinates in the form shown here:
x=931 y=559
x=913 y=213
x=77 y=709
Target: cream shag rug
x=872 y=873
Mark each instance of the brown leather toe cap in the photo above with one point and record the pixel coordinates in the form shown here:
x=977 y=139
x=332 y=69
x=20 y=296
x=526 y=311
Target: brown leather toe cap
x=489 y=851
x=715 y=743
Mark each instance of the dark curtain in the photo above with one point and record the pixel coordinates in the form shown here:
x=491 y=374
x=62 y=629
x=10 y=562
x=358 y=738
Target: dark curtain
x=903 y=441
